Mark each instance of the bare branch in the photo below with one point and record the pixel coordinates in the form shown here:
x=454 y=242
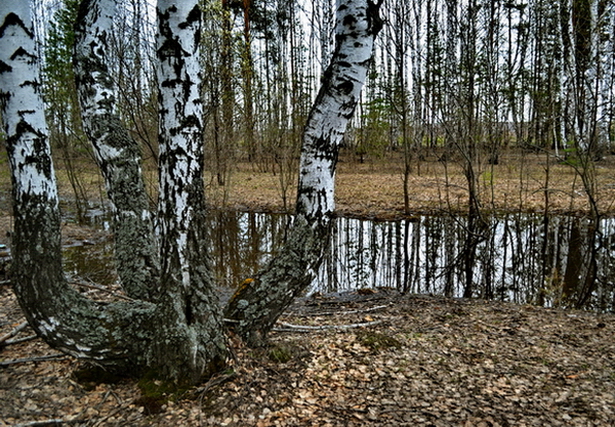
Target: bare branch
x=289 y=327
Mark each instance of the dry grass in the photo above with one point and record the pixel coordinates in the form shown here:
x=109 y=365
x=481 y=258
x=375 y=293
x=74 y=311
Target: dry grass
x=526 y=182
x=518 y=183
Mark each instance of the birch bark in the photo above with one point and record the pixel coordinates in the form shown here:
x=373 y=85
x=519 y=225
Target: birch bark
x=181 y=337
x=259 y=302
x=108 y=334
x=188 y=288
x=117 y=153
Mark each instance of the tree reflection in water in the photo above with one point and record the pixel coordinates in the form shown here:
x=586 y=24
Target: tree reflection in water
x=563 y=261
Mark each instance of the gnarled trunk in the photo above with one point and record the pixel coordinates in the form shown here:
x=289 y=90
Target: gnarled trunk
x=117 y=153
x=180 y=338
x=188 y=288
x=175 y=330
x=108 y=334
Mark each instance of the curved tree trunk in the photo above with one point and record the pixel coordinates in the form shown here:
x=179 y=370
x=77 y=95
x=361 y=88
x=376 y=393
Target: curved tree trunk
x=108 y=334
x=117 y=153
x=259 y=302
x=180 y=338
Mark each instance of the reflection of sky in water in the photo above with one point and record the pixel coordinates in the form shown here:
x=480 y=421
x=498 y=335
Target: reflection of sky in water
x=515 y=259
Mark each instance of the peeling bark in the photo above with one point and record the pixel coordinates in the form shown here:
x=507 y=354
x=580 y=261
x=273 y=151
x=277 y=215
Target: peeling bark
x=117 y=153
x=258 y=303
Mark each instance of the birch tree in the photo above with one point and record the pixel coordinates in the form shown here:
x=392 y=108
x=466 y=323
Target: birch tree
x=260 y=301
x=172 y=327
x=117 y=153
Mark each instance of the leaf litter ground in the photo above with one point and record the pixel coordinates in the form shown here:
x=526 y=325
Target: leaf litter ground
x=423 y=361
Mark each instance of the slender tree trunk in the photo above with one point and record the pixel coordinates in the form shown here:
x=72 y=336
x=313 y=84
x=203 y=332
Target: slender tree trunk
x=196 y=344
x=259 y=302
x=117 y=153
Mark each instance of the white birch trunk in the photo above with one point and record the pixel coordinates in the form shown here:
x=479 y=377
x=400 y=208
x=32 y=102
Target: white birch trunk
x=259 y=302
x=357 y=26
x=60 y=315
x=117 y=153
x=188 y=289
x=605 y=58
x=570 y=66
x=178 y=339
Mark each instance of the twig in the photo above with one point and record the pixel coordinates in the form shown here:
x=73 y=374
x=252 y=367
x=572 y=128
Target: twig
x=5 y=282
x=33 y=359
x=14 y=332
x=288 y=327
x=45 y=423
x=216 y=381
x=342 y=313
x=18 y=340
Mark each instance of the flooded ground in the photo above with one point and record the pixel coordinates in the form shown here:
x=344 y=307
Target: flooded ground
x=556 y=261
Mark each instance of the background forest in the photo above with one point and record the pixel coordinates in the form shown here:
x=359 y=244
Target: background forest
x=470 y=83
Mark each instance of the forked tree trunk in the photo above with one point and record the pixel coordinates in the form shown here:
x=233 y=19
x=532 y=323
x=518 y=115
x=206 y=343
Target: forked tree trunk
x=117 y=153
x=260 y=301
x=110 y=334
x=180 y=338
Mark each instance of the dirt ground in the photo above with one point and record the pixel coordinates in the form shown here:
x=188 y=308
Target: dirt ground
x=521 y=182
x=361 y=358
x=375 y=359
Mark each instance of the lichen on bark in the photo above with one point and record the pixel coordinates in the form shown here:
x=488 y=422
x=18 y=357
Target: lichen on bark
x=117 y=153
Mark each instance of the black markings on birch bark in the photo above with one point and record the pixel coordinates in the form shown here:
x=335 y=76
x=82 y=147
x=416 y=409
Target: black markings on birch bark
x=117 y=153
x=256 y=307
x=188 y=286
x=60 y=315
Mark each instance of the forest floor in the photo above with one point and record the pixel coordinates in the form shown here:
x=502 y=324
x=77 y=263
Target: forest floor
x=521 y=182
x=407 y=360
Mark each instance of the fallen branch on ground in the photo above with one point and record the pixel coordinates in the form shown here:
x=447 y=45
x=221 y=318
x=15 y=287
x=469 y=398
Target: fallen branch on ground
x=289 y=327
x=18 y=340
x=343 y=313
x=14 y=332
x=45 y=423
x=33 y=359
x=102 y=289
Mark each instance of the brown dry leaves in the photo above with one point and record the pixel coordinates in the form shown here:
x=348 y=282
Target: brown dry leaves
x=519 y=183
x=432 y=362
